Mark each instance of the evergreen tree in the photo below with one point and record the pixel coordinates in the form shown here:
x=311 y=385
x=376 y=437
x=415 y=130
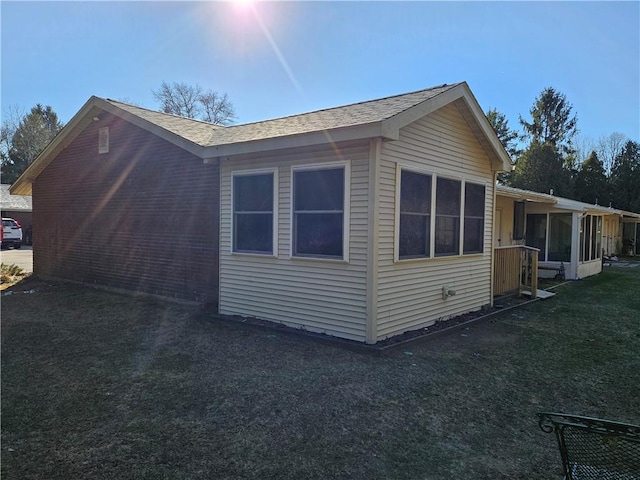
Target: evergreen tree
x=507 y=137
x=541 y=169
x=591 y=182
x=625 y=178
x=552 y=121
x=33 y=134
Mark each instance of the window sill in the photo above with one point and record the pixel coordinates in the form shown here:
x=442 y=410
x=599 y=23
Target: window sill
x=320 y=259
x=436 y=259
x=254 y=255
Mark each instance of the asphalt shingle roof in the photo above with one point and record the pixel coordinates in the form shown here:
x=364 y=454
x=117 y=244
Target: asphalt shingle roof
x=209 y=135
x=16 y=203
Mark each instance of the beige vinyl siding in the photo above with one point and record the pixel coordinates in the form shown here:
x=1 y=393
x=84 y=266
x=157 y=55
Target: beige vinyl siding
x=410 y=292
x=318 y=295
x=505 y=204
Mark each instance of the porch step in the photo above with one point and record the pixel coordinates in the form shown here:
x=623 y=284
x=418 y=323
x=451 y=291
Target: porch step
x=542 y=294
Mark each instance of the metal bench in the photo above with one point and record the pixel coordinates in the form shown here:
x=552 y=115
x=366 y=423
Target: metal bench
x=596 y=449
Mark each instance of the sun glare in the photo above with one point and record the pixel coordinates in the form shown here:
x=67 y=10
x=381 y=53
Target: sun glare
x=242 y=5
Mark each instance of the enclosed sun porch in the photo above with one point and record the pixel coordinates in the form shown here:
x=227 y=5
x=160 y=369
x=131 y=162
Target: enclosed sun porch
x=544 y=236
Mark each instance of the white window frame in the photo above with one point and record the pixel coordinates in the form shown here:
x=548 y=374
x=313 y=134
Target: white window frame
x=248 y=173
x=432 y=233
x=346 y=210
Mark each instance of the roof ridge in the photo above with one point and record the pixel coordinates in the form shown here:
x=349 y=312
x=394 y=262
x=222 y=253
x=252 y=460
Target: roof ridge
x=179 y=117
x=327 y=109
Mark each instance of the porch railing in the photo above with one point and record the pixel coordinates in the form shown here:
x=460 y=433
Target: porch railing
x=516 y=268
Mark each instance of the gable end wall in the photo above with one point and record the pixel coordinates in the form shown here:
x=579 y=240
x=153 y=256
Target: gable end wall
x=410 y=292
x=143 y=217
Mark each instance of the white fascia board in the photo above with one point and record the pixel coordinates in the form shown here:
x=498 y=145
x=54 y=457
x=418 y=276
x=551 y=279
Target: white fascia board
x=360 y=132
x=402 y=119
x=505 y=160
x=525 y=195
x=460 y=91
x=22 y=186
x=93 y=107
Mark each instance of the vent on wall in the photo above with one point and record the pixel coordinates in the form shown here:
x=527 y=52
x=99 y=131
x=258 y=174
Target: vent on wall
x=103 y=140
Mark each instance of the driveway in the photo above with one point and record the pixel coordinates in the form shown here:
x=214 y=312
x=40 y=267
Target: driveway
x=22 y=257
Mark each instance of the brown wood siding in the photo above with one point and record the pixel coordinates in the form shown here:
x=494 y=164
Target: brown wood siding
x=142 y=217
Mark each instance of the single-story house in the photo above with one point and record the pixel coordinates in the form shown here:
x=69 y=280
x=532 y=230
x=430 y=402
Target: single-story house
x=570 y=235
x=361 y=221
x=19 y=208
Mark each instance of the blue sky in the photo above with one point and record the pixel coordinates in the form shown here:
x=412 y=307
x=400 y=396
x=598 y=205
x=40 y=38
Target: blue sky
x=277 y=59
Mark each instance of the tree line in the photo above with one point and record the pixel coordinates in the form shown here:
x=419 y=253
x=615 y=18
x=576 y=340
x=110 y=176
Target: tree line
x=550 y=157
x=548 y=154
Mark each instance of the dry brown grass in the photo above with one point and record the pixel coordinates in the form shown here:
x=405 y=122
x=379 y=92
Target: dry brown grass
x=98 y=385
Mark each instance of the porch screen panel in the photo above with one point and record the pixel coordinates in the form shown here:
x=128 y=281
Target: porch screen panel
x=537 y=233
x=596 y=240
x=559 y=237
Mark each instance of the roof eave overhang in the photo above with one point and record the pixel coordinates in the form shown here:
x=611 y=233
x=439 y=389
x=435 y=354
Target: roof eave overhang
x=333 y=136
x=93 y=107
x=524 y=195
x=14 y=209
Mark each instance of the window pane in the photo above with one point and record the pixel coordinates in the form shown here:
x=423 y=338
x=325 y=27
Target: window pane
x=253 y=232
x=319 y=190
x=319 y=234
x=448 y=197
x=559 y=237
x=537 y=233
x=447 y=235
x=414 y=236
x=473 y=235
x=473 y=218
x=253 y=193
x=473 y=200
x=415 y=193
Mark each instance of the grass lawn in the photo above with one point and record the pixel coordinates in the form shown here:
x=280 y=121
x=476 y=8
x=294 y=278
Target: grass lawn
x=104 y=386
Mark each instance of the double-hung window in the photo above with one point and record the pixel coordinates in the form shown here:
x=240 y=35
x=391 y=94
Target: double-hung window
x=439 y=216
x=319 y=205
x=253 y=212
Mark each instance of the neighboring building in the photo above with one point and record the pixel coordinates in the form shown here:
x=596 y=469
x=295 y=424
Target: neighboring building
x=362 y=221
x=569 y=234
x=631 y=234
x=17 y=207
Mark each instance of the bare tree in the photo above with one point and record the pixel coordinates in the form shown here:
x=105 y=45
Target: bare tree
x=583 y=147
x=217 y=108
x=608 y=148
x=11 y=117
x=192 y=101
